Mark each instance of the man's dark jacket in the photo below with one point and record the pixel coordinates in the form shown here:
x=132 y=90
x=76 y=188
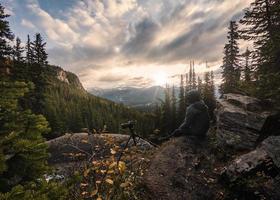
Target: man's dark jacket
x=197 y=121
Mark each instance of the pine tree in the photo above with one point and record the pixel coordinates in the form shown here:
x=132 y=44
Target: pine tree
x=5 y=35
x=166 y=107
x=262 y=26
x=29 y=53
x=199 y=84
x=21 y=143
x=173 y=109
x=231 y=67
x=38 y=48
x=182 y=105
x=208 y=92
x=18 y=50
x=191 y=76
x=212 y=83
x=194 y=83
x=187 y=89
x=247 y=71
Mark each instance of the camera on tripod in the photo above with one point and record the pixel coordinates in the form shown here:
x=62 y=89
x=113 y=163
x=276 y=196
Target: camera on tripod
x=130 y=124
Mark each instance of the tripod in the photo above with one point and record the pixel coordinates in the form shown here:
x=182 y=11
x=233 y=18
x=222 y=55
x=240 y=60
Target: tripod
x=133 y=136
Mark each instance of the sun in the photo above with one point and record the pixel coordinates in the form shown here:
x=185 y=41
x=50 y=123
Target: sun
x=160 y=78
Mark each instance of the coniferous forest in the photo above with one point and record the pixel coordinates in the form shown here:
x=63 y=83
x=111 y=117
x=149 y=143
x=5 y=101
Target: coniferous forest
x=58 y=141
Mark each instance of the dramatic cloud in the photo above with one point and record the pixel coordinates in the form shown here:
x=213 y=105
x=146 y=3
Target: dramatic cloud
x=111 y=43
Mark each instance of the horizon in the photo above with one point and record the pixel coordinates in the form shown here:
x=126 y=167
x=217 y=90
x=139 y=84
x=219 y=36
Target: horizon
x=133 y=43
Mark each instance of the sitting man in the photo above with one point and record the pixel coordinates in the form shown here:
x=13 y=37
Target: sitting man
x=196 y=123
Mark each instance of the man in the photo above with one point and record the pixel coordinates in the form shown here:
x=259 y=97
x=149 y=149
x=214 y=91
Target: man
x=197 y=121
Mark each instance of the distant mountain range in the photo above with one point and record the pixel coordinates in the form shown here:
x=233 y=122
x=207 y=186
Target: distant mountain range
x=140 y=98
x=133 y=97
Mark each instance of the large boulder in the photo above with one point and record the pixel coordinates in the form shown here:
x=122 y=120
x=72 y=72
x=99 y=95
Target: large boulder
x=256 y=173
x=239 y=121
x=265 y=158
x=82 y=146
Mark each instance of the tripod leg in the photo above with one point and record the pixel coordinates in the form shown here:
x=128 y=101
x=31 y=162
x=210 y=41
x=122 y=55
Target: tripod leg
x=126 y=145
x=146 y=140
x=134 y=139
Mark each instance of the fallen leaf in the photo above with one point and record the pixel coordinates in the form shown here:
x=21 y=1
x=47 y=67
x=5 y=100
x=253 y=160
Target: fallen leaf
x=113 y=152
x=123 y=185
x=86 y=172
x=110 y=181
x=93 y=193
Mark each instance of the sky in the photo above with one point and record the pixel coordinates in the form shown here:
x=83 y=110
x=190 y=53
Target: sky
x=136 y=43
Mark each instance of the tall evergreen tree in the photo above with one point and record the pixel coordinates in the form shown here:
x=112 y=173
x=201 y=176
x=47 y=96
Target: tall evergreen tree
x=166 y=107
x=182 y=105
x=18 y=50
x=231 y=64
x=194 y=83
x=247 y=69
x=21 y=143
x=212 y=83
x=5 y=35
x=208 y=92
x=29 y=54
x=38 y=47
x=199 y=84
x=262 y=26
x=191 y=76
x=173 y=109
x=187 y=88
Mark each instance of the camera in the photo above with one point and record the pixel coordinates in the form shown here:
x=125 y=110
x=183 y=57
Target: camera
x=130 y=124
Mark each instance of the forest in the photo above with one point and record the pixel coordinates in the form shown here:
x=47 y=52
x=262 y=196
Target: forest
x=40 y=102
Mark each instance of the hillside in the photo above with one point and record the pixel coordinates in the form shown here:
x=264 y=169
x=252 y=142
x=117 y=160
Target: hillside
x=61 y=98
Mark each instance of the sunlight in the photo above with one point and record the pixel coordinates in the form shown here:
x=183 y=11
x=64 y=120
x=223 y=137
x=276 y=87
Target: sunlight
x=160 y=78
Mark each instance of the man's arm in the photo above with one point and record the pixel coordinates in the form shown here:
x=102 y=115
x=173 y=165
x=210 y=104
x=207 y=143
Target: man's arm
x=190 y=113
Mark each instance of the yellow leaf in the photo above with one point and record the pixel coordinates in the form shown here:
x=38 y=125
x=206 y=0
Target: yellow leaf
x=110 y=181
x=122 y=166
x=112 y=165
x=123 y=185
x=86 y=172
x=97 y=182
x=113 y=152
x=99 y=198
x=93 y=193
x=84 y=141
x=110 y=172
x=84 y=193
x=84 y=184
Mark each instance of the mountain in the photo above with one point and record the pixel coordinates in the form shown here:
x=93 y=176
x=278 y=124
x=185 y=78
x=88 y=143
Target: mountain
x=68 y=107
x=132 y=97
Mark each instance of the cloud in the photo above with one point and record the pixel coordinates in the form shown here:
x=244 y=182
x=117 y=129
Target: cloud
x=132 y=37
x=57 y=30
x=27 y=23
x=111 y=78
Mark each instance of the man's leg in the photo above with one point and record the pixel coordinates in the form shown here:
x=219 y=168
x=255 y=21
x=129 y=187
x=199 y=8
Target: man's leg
x=176 y=133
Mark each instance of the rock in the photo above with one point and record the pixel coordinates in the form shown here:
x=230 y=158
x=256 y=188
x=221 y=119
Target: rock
x=62 y=76
x=266 y=158
x=271 y=127
x=81 y=146
x=247 y=103
x=239 y=122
